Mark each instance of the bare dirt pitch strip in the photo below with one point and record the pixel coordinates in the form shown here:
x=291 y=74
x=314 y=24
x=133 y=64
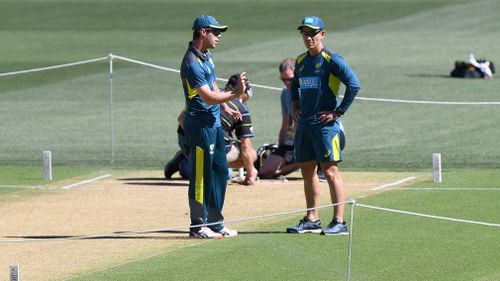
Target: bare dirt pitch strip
x=42 y=234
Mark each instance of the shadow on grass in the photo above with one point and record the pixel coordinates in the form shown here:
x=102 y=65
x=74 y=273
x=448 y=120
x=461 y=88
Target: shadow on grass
x=427 y=75
x=155 y=181
x=186 y=184
x=263 y=232
x=104 y=237
x=123 y=235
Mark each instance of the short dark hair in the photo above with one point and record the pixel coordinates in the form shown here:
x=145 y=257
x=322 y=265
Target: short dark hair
x=196 y=34
x=232 y=83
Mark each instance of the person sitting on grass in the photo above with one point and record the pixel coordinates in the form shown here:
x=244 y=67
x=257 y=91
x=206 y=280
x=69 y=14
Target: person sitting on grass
x=280 y=162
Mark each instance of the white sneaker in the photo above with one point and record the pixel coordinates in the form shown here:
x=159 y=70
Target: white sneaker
x=226 y=232
x=205 y=233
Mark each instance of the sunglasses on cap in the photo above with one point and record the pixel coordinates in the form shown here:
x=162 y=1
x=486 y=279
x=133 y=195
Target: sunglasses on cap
x=310 y=33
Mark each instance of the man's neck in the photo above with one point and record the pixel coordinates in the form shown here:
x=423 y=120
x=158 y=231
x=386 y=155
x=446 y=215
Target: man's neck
x=198 y=44
x=315 y=51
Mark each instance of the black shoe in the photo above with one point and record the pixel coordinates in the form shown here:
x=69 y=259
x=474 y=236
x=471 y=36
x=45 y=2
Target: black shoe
x=173 y=165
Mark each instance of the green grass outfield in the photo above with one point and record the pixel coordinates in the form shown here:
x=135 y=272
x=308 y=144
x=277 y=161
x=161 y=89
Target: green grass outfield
x=386 y=246
x=399 y=49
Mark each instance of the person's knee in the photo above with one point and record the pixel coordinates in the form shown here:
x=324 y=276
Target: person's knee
x=332 y=172
x=308 y=169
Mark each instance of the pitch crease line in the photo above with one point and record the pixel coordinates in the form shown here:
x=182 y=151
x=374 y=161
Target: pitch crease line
x=86 y=181
x=450 y=188
x=20 y=186
x=393 y=183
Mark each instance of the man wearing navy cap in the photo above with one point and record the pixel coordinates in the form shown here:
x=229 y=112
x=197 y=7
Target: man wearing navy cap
x=315 y=88
x=202 y=124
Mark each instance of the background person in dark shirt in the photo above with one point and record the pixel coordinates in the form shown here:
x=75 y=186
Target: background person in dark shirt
x=238 y=130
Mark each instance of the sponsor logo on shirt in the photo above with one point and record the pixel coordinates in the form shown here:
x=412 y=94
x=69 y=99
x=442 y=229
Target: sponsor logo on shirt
x=318 y=66
x=327 y=154
x=308 y=82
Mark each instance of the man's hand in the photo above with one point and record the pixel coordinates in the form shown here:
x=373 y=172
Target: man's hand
x=327 y=116
x=233 y=113
x=242 y=84
x=296 y=116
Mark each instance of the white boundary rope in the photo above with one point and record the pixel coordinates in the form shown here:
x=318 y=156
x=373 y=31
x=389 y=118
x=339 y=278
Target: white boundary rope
x=53 y=67
x=145 y=63
x=111 y=57
x=350 y=202
x=428 y=216
x=177 y=228
x=431 y=102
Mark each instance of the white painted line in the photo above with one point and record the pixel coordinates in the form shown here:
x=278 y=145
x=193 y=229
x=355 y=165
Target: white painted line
x=160 y=188
x=450 y=188
x=20 y=186
x=393 y=183
x=86 y=181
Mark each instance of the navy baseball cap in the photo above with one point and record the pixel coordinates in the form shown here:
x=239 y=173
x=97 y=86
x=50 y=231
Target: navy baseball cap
x=205 y=21
x=312 y=22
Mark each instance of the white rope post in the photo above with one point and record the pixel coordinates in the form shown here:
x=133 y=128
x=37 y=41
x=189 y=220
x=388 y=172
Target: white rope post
x=436 y=167
x=47 y=165
x=349 y=250
x=111 y=129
